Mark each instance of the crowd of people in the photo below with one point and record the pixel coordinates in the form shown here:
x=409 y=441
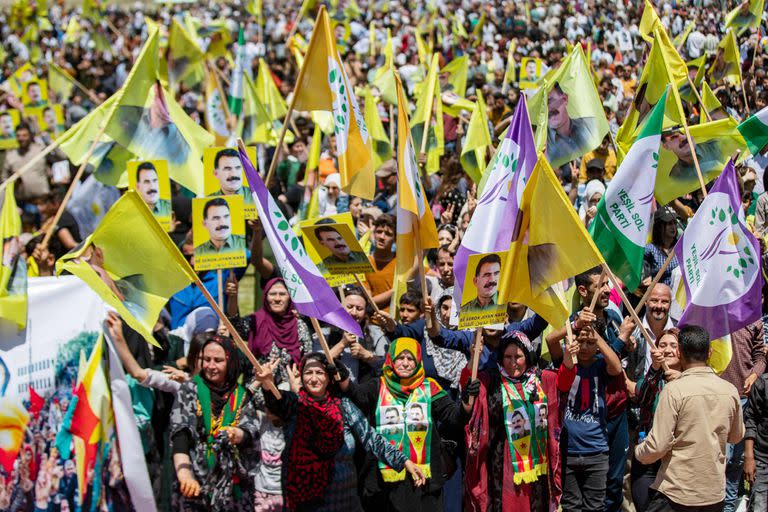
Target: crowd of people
x=599 y=419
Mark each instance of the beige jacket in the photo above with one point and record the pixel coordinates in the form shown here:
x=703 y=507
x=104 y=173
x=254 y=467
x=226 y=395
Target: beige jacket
x=696 y=416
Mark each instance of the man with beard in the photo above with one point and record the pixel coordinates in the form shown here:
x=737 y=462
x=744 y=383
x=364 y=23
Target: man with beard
x=228 y=169
x=148 y=189
x=656 y=320
x=216 y=219
x=34 y=182
x=486 y=283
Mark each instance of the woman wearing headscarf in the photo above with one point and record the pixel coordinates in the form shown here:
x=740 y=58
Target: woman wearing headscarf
x=212 y=432
x=322 y=432
x=594 y=192
x=274 y=332
x=406 y=407
x=513 y=435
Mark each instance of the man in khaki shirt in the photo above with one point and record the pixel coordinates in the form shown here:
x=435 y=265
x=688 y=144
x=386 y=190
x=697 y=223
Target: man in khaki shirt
x=697 y=414
x=34 y=183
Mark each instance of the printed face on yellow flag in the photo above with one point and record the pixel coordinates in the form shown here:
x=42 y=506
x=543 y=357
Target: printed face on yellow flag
x=323 y=85
x=314 y=254
x=336 y=244
x=218 y=232
x=480 y=305
x=224 y=176
x=149 y=178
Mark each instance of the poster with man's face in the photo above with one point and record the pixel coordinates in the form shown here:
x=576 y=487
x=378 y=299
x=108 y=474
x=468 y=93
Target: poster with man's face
x=339 y=250
x=224 y=176
x=150 y=179
x=333 y=280
x=9 y=119
x=218 y=232
x=480 y=305
x=50 y=118
x=530 y=72
x=35 y=93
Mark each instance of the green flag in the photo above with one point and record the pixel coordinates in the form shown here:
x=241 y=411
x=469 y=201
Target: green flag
x=620 y=228
x=755 y=132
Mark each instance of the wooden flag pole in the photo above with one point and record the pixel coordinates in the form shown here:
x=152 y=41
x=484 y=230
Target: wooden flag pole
x=477 y=349
x=220 y=286
x=367 y=294
x=569 y=338
x=29 y=165
x=655 y=281
x=323 y=342
x=222 y=94
x=78 y=84
x=75 y=181
x=597 y=292
x=299 y=80
x=698 y=98
x=624 y=299
x=391 y=124
x=702 y=184
x=233 y=332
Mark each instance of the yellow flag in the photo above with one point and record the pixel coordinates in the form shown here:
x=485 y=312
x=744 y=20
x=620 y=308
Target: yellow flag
x=422 y=50
x=20 y=77
x=509 y=74
x=185 y=57
x=453 y=86
x=323 y=85
x=430 y=104
x=109 y=158
x=13 y=267
x=131 y=263
x=478 y=139
x=727 y=64
x=59 y=82
x=567 y=113
x=477 y=32
x=314 y=149
x=415 y=225
x=746 y=15
x=650 y=89
x=551 y=245
x=269 y=94
x=649 y=21
x=215 y=116
x=256 y=122
x=711 y=104
x=680 y=38
x=148 y=122
x=383 y=78
x=382 y=148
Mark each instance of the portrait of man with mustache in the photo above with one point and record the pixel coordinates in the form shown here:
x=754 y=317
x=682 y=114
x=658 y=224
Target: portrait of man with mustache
x=147 y=185
x=228 y=169
x=486 y=282
x=217 y=220
x=330 y=238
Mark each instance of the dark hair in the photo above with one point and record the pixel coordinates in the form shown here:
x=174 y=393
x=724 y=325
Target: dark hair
x=325 y=229
x=217 y=201
x=412 y=298
x=385 y=220
x=447 y=249
x=144 y=166
x=23 y=126
x=234 y=367
x=449 y=228
x=694 y=343
x=225 y=152
x=657 y=230
x=195 y=350
x=488 y=258
x=585 y=278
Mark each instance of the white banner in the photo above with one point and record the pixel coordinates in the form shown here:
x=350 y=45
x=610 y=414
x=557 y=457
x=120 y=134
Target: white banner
x=62 y=312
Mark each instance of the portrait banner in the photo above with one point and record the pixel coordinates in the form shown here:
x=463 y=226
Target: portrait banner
x=218 y=232
x=224 y=176
x=149 y=178
x=480 y=306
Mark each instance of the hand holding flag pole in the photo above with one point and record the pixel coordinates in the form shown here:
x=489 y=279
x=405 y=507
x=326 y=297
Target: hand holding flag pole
x=477 y=349
x=29 y=165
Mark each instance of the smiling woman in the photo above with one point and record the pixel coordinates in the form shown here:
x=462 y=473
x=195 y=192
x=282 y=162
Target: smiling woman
x=212 y=431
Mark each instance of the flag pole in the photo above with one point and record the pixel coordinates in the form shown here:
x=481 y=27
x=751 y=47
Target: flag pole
x=688 y=137
x=233 y=332
x=289 y=113
x=391 y=124
x=477 y=349
x=420 y=270
x=624 y=299
x=220 y=287
x=77 y=83
x=569 y=338
x=698 y=98
x=323 y=342
x=73 y=184
x=655 y=281
x=29 y=165
x=367 y=295
x=597 y=292
x=222 y=95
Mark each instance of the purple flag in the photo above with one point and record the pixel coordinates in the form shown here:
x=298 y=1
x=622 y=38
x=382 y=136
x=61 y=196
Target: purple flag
x=501 y=188
x=720 y=262
x=309 y=291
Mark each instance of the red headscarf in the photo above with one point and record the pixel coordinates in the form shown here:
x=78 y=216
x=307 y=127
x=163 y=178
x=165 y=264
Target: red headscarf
x=268 y=327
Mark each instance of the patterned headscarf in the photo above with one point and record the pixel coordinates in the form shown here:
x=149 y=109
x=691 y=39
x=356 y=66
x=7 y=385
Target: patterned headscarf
x=401 y=387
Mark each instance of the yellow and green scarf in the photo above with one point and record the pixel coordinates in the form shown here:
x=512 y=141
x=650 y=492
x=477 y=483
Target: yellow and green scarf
x=525 y=421
x=404 y=410
x=229 y=416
